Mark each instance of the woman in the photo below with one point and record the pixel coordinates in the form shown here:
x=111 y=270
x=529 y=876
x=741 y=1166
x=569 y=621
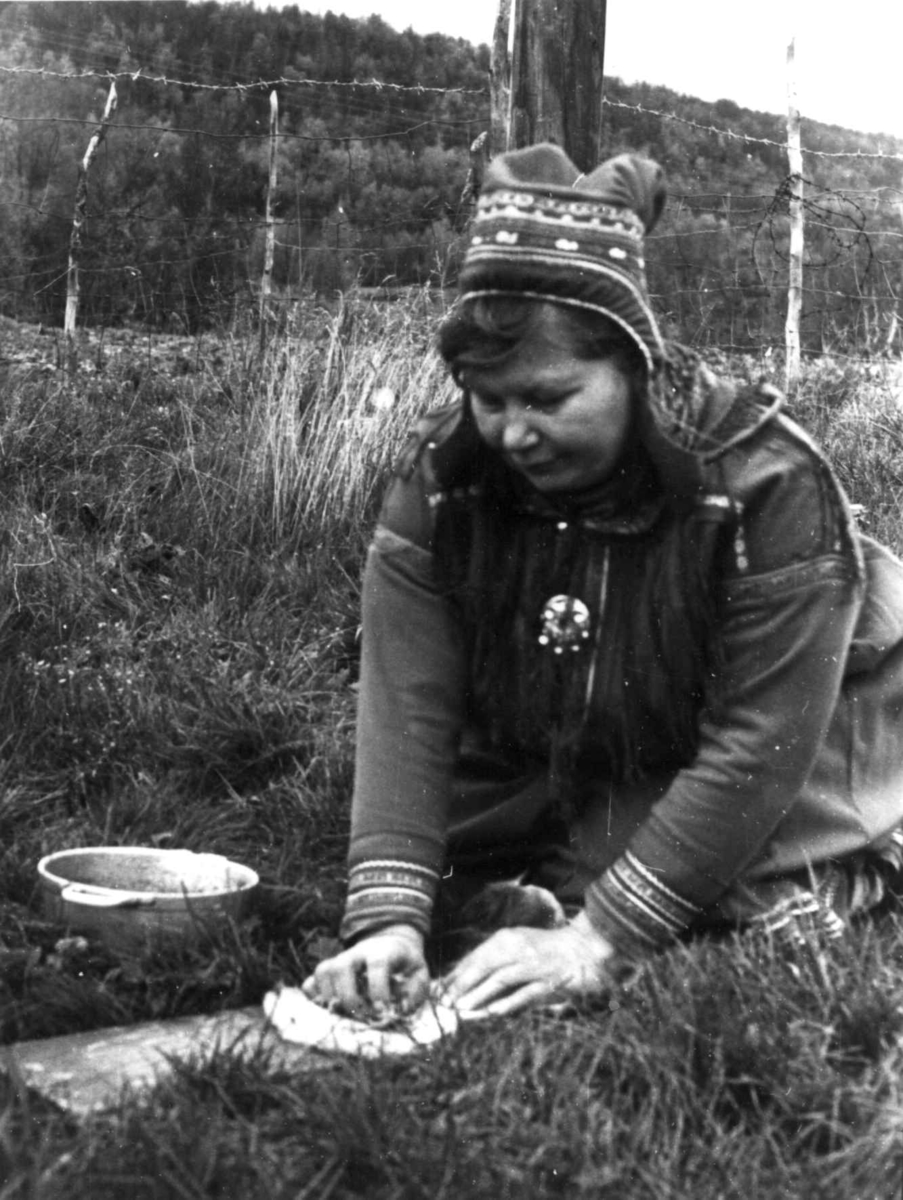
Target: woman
x=622 y=640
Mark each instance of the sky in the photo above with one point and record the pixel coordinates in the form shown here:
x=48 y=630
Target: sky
x=847 y=55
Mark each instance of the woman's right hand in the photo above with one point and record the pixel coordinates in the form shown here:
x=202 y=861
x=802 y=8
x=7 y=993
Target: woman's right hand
x=384 y=970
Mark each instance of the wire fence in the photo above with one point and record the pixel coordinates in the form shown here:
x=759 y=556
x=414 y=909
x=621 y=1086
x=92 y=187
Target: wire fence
x=371 y=194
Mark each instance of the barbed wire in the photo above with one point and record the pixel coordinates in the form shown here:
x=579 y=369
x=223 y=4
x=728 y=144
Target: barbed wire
x=259 y=85
x=282 y=135
x=262 y=136
x=720 y=282
x=418 y=89
x=287 y=99
x=745 y=137
x=727 y=222
x=237 y=222
x=336 y=221
x=377 y=85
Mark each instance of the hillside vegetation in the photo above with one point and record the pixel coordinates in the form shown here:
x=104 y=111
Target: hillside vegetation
x=371 y=178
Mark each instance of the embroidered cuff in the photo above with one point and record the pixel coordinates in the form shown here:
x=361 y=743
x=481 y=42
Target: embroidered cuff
x=387 y=892
x=634 y=910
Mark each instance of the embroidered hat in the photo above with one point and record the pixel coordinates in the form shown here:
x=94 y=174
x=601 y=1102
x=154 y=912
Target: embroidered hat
x=542 y=229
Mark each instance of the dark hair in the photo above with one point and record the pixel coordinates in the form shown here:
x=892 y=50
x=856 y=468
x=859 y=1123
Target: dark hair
x=488 y=330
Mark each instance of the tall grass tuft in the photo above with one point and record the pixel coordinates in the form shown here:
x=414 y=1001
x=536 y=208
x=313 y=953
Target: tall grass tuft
x=855 y=411
x=334 y=413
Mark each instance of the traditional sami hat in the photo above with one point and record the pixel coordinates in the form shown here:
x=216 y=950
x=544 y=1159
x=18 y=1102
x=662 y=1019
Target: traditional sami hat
x=542 y=229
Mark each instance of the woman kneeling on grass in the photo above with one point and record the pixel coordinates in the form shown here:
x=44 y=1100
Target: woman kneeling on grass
x=621 y=638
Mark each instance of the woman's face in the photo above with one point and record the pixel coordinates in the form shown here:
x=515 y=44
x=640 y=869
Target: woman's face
x=561 y=421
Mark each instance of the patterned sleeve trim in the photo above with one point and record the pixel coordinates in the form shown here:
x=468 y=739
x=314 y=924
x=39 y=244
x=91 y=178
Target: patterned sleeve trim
x=634 y=909
x=387 y=892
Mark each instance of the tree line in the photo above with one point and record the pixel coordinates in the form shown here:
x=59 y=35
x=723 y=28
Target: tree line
x=371 y=178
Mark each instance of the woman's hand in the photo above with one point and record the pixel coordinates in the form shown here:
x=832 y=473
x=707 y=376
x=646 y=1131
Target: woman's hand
x=386 y=970
x=521 y=966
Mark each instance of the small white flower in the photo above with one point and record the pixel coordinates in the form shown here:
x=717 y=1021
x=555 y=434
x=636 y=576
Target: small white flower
x=383 y=399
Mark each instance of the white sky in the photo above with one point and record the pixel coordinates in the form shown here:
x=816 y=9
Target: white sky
x=848 y=54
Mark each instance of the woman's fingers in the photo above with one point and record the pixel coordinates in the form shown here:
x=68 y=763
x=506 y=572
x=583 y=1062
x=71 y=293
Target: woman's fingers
x=412 y=990
x=504 y=992
x=502 y=964
x=381 y=972
x=519 y=999
x=474 y=993
x=520 y=966
x=397 y=985
x=336 y=982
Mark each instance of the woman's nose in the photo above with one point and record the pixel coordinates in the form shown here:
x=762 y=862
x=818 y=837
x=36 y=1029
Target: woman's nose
x=517 y=433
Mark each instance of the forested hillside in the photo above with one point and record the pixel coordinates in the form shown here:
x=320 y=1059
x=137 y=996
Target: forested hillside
x=371 y=177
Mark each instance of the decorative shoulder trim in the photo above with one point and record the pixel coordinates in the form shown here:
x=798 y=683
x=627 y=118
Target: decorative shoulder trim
x=430 y=431
x=846 y=530
x=388 y=892
x=634 y=909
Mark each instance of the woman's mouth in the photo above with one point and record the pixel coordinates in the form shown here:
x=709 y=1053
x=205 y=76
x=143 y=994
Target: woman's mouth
x=540 y=467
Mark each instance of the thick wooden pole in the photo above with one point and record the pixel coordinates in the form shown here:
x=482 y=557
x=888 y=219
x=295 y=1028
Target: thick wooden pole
x=795 y=277
x=500 y=79
x=554 y=53
x=78 y=219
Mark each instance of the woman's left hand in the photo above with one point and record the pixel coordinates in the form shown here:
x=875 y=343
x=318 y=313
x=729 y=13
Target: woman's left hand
x=517 y=967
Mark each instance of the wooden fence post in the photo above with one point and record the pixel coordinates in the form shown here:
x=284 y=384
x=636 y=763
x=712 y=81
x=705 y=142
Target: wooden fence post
x=78 y=220
x=795 y=270
x=473 y=185
x=266 y=282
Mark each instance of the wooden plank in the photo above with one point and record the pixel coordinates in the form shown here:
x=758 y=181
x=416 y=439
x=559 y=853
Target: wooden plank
x=88 y=1072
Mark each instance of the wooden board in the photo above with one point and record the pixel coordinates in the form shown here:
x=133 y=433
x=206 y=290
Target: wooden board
x=88 y=1072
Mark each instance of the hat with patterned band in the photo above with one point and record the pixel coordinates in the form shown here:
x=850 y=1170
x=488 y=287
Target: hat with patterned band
x=542 y=229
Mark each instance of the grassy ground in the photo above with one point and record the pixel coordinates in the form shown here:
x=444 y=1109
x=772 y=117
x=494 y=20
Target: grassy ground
x=181 y=538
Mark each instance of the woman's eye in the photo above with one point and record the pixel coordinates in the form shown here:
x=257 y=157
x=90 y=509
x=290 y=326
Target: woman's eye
x=541 y=404
x=544 y=404
x=487 y=403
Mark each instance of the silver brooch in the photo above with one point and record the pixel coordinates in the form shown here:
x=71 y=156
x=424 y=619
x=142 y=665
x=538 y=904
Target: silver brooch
x=565 y=624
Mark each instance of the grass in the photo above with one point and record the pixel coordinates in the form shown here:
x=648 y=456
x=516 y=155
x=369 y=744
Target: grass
x=181 y=541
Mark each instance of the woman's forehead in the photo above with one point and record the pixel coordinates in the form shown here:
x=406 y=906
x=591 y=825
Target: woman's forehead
x=533 y=363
